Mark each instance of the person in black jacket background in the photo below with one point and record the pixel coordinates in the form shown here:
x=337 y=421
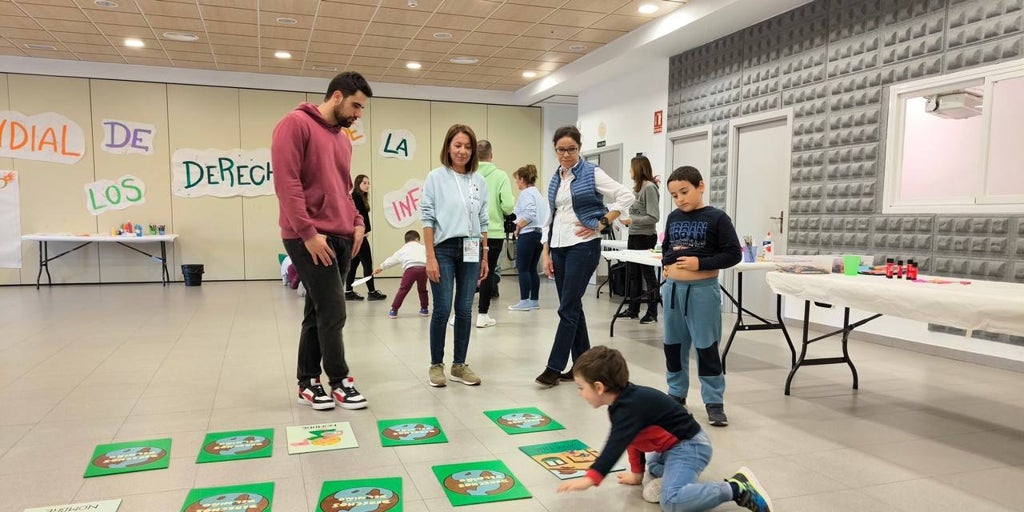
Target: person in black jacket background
x=361 y=196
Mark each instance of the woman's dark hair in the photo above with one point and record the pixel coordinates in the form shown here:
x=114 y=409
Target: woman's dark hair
x=604 y=365
x=527 y=173
x=446 y=157
x=567 y=131
x=358 y=191
x=640 y=170
x=348 y=83
x=686 y=173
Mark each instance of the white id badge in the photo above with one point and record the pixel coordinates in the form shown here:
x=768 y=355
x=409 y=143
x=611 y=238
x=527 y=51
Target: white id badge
x=471 y=250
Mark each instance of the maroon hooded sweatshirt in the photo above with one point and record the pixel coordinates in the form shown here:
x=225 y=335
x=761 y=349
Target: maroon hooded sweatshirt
x=312 y=176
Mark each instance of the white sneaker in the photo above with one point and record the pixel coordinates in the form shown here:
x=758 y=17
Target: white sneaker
x=652 y=491
x=485 y=320
x=451 y=321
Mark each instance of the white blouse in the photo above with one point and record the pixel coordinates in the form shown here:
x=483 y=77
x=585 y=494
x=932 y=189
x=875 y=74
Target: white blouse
x=564 y=223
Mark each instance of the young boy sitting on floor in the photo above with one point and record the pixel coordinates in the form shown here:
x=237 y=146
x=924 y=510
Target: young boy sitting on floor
x=647 y=420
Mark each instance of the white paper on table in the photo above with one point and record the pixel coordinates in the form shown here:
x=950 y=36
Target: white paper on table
x=360 y=282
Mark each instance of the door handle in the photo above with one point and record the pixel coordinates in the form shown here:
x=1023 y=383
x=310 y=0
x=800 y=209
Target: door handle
x=779 y=218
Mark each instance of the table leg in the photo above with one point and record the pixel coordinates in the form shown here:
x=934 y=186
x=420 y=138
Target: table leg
x=785 y=332
x=166 y=277
x=846 y=336
x=42 y=263
x=739 y=317
x=845 y=332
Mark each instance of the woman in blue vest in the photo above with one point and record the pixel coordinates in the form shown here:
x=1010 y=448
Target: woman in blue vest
x=572 y=244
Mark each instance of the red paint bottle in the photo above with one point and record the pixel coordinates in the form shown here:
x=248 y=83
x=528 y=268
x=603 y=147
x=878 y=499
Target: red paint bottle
x=890 y=269
x=911 y=269
x=899 y=269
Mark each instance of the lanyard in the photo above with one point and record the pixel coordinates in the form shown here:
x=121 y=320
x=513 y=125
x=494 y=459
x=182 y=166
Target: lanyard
x=466 y=206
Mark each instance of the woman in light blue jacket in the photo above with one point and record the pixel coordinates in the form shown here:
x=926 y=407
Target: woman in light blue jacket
x=531 y=215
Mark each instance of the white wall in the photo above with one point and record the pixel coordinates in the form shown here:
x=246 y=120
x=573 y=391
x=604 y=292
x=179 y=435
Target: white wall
x=554 y=117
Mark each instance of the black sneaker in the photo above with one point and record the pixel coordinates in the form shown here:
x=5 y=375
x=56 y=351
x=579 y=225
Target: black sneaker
x=548 y=378
x=351 y=295
x=347 y=396
x=649 y=319
x=716 y=415
x=376 y=295
x=751 y=495
x=313 y=395
x=628 y=314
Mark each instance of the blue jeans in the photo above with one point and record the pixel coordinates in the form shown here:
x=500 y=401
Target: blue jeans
x=528 y=250
x=463 y=277
x=693 y=317
x=573 y=267
x=679 y=468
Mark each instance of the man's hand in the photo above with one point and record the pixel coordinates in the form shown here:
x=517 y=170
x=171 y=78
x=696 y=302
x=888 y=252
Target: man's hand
x=630 y=478
x=687 y=263
x=319 y=250
x=357 y=240
x=579 y=484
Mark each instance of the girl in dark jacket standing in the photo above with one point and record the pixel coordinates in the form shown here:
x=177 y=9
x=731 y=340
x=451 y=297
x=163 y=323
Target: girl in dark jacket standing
x=361 y=196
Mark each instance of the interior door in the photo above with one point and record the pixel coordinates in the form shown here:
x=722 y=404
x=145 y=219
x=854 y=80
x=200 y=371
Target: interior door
x=762 y=198
x=693 y=150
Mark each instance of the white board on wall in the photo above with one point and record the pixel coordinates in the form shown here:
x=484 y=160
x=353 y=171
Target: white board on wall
x=10 y=221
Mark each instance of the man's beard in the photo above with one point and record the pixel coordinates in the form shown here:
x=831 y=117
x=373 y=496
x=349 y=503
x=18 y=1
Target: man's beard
x=342 y=121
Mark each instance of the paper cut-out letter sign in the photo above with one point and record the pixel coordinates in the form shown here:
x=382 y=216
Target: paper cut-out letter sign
x=48 y=137
x=105 y=195
x=402 y=206
x=221 y=173
x=399 y=144
x=356 y=133
x=123 y=137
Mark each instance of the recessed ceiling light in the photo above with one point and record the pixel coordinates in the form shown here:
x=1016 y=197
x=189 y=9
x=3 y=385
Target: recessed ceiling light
x=413 y=65
x=463 y=60
x=106 y=3
x=318 y=67
x=281 y=54
x=284 y=20
x=134 y=43
x=647 y=8
x=442 y=35
x=35 y=46
x=181 y=36
x=529 y=74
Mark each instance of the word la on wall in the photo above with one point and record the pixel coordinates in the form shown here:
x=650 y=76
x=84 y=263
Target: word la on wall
x=47 y=137
x=105 y=195
x=399 y=144
x=402 y=206
x=124 y=137
x=221 y=173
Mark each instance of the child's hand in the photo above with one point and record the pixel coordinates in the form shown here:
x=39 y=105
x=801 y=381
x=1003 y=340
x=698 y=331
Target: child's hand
x=579 y=484
x=687 y=263
x=630 y=478
x=377 y=270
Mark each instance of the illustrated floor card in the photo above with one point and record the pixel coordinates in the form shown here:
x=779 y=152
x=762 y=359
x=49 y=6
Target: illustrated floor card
x=472 y=483
x=236 y=498
x=523 y=420
x=369 y=495
x=322 y=437
x=565 y=459
x=92 y=506
x=114 y=458
x=410 y=431
x=237 y=445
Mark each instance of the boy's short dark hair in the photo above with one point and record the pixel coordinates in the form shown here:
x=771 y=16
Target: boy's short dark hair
x=686 y=173
x=604 y=365
x=348 y=83
x=412 y=235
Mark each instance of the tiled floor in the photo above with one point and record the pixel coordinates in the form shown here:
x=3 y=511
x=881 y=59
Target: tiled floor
x=84 y=365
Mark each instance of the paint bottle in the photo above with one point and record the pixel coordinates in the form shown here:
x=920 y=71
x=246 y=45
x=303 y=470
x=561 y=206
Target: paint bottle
x=766 y=247
x=890 y=268
x=899 y=269
x=911 y=269
x=138 y=230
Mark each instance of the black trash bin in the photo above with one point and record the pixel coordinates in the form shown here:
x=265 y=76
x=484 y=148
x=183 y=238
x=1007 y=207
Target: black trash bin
x=193 y=274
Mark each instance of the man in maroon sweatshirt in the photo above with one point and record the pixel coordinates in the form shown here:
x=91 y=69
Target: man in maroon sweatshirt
x=322 y=230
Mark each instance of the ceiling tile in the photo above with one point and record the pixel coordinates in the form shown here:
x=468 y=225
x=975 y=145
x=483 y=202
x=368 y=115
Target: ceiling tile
x=269 y=19
x=186 y=64
x=25 y=22
x=384 y=42
x=443 y=75
x=228 y=14
x=72 y=37
x=346 y=11
x=571 y=46
x=238 y=59
x=402 y=16
x=9 y=9
x=551 y=31
x=569 y=17
x=238 y=29
x=327 y=59
x=559 y=57
x=177 y=57
x=46 y=54
x=161 y=8
x=81 y=27
x=522 y=13
x=280 y=66
x=340 y=25
x=119 y=32
x=534 y=43
x=546 y=66
x=226 y=49
x=337 y=49
x=478 y=8
x=539 y=3
x=147 y=61
x=233 y=40
x=488 y=39
x=363 y=70
x=116 y=18
x=99 y=57
x=296 y=7
x=619 y=22
x=505 y=27
x=105 y=49
x=431 y=46
x=291 y=45
x=518 y=53
x=506 y=63
x=358 y=61
x=491 y=71
x=337 y=38
x=602 y=6
x=449 y=22
x=234 y=4
x=475 y=50
x=387 y=53
x=194 y=25
x=427 y=34
x=59 y=3
x=392 y=30
x=15 y=34
x=122 y=6
x=53 y=12
x=182 y=46
x=595 y=35
x=278 y=32
x=664 y=7
x=422 y=57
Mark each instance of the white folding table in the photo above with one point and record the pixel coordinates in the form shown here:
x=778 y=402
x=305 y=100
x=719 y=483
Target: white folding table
x=83 y=240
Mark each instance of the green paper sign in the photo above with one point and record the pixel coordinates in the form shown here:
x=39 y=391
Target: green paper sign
x=472 y=483
x=370 y=495
x=234 y=498
x=115 y=458
x=237 y=445
x=564 y=459
x=523 y=420
x=410 y=431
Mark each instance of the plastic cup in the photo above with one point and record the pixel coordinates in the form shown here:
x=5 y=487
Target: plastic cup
x=851 y=264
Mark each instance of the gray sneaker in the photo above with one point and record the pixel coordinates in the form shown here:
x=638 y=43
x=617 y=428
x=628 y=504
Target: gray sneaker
x=436 y=374
x=716 y=415
x=462 y=373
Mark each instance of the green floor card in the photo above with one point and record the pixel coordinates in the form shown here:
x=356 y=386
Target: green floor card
x=523 y=420
x=114 y=458
x=410 y=431
x=564 y=459
x=369 y=495
x=237 y=445
x=235 y=498
x=471 y=483
x=321 y=437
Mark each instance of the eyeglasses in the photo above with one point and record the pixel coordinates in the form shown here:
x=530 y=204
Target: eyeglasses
x=566 y=151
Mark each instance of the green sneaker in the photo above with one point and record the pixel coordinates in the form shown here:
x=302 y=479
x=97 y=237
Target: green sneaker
x=436 y=375
x=462 y=373
x=751 y=495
